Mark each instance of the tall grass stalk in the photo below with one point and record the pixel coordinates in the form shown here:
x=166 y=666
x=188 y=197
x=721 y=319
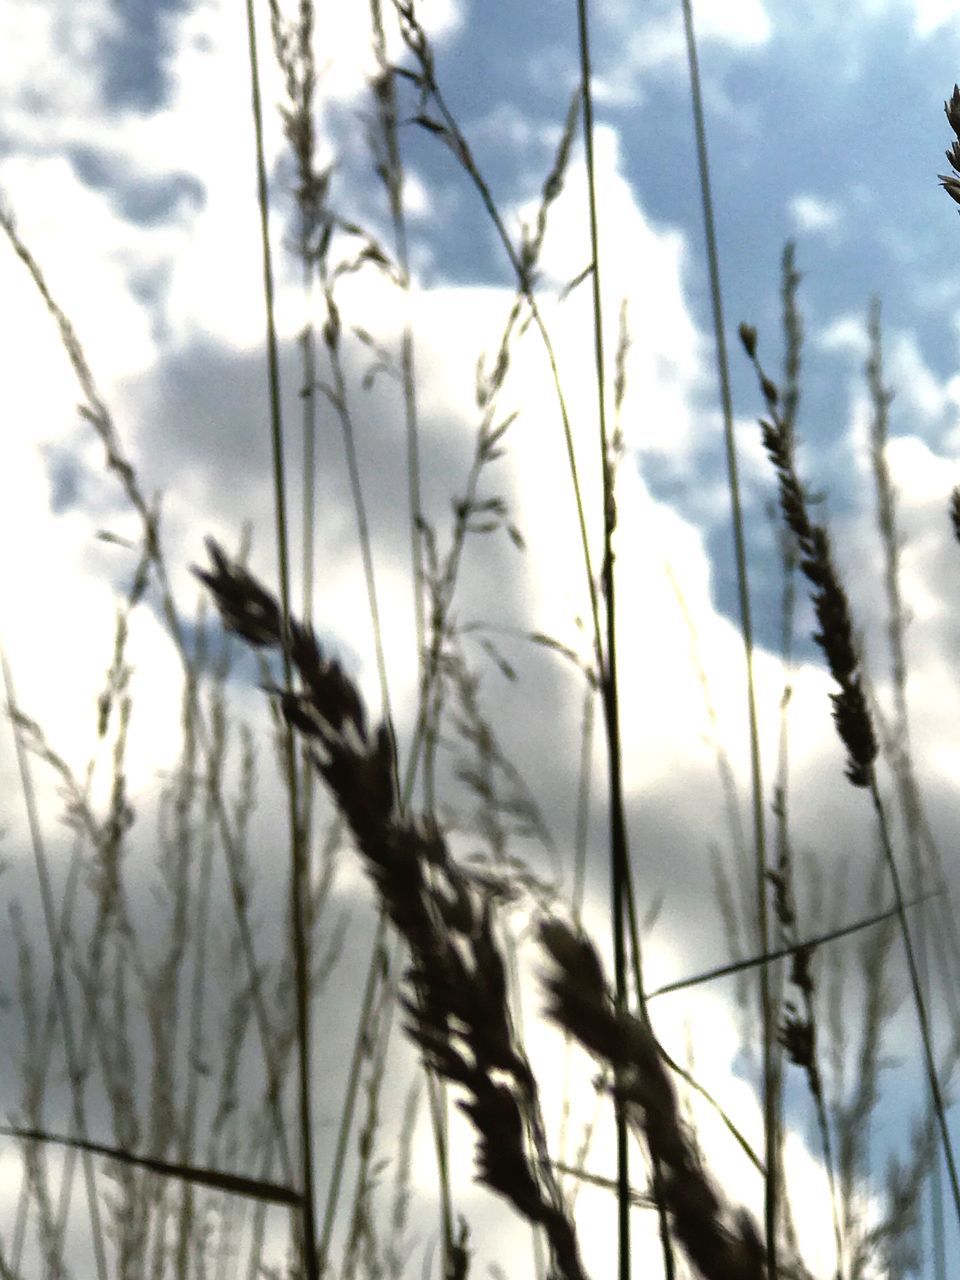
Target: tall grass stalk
x=900 y=752
x=55 y=942
x=95 y=411
x=767 y=1015
x=850 y=712
x=460 y=994
x=619 y=855
x=300 y=869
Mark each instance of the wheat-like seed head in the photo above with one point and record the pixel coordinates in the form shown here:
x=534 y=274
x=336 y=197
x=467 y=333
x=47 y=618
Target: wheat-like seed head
x=456 y=1002
x=835 y=636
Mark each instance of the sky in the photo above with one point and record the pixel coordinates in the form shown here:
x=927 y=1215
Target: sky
x=127 y=161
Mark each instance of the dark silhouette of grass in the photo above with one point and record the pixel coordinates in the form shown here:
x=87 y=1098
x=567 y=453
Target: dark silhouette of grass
x=447 y=921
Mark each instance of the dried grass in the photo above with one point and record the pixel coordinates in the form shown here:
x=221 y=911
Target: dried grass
x=449 y=917
x=457 y=985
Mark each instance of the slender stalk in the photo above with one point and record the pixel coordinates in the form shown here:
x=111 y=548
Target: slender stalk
x=392 y=174
x=293 y=48
x=619 y=862
x=347 y=1107
x=771 y=1137
x=881 y=398
x=416 y=40
x=340 y=403
x=620 y=868
x=54 y=930
x=299 y=872
x=782 y=953
x=923 y=1019
x=850 y=708
x=98 y=415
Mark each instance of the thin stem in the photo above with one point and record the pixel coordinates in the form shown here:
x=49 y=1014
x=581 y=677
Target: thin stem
x=299 y=872
x=902 y=761
x=723 y=374
x=919 y=1003
x=462 y=150
x=55 y=933
x=98 y=415
x=392 y=172
x=619 y=862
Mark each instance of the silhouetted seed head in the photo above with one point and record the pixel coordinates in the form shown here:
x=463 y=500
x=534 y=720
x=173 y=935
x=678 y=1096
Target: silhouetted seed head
x=796 y=1036
x=457 y=1003
x=720 y=1245
x=835 y=633
x=955 y=512
x=949 y=183
x=952 y=109
x=247 y=609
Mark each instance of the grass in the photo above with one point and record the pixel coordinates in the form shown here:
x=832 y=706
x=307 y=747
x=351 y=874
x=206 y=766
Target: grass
x=178 y=1051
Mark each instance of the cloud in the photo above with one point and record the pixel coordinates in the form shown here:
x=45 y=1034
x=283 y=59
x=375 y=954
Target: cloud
x=812 y=215
x=653 y=43
x=931 y=16
x=183 y=366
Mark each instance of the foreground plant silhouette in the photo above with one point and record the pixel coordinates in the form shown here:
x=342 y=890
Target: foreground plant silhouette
x=449 y=917
x=456 y=999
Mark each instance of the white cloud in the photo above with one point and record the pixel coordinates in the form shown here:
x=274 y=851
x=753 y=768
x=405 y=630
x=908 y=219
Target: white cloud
x=932 y=15
x=744 y=24
x=36 y=102
x=846 y=333
x=214 y=471
x=920 y=394
x=653 y=41
x=812 y=214
x=644 y=264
